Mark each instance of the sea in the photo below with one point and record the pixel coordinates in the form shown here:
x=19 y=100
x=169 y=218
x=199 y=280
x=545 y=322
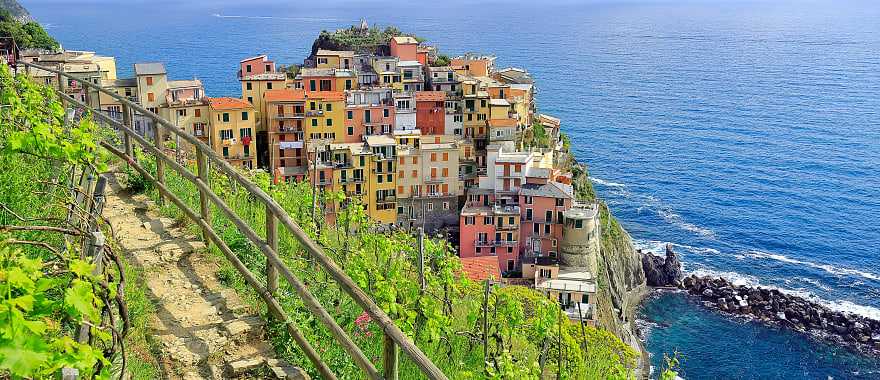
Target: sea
x=746 y=134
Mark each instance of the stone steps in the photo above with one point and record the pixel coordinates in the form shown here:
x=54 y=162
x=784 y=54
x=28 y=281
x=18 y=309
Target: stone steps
x=203 y=330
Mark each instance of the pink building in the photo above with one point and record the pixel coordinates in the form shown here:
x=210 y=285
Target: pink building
x=255 y=66
x=405 y=48
x=542 y=208
x=490 y=226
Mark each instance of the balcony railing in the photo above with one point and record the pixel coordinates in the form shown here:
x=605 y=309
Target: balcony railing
x=494 y=243
x=505 y=209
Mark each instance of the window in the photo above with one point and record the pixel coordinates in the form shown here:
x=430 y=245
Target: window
x=198 y=112
x=578 y=223
x=225 y=117
x=149 y=81
x=350 y=131
x=548 y=216
x=225 y=151
x=268 y=85
x=247 y=150
x=487 y=220
x=349 y=115
x=415 y=173
x=244 y=115
x=348 y=84
x=225 y=134
x=445 y=172
x=430 y=207
x=509 y=264
x=433 y=157
x=151 y=97
x=553 y=243
x=415 y=160
x=446 y=205
x=329 y=107
x=314 y=122
x=251 y=99
x=269 y=69
x=248 y=85
x=244 y=132
x=379 y=179
x=547 y=228
x=329 y=122
x=385 y=112
x=181 y=112
x=528 y=214
x=560 y=202
x=312 y=86
x=247 y=68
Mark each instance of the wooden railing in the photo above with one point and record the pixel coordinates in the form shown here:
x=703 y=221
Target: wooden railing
x=394 y=338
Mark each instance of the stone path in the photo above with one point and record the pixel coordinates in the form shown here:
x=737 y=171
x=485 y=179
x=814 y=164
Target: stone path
x=203 y=329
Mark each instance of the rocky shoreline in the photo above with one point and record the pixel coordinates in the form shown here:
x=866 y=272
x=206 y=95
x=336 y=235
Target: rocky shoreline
x=769 y=306
x=772 y=307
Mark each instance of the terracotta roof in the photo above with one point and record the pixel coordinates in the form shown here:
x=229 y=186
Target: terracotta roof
x=228 y=103
x=430 y=96
x=405 y=40
x=502 y=122
x=326 y=95
x=284 y=95
x=261 y=57
x=481 y=268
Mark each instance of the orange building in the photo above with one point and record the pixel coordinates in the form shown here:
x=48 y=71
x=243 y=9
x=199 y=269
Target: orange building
x=405 y=48
x=286 y=115
x=431 y=112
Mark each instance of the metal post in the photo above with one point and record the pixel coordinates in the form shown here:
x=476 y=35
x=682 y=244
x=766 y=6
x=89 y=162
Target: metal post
x=391 y=354
x=203 y=171
x=272 y=240
x=559 y=361
x=160 y=164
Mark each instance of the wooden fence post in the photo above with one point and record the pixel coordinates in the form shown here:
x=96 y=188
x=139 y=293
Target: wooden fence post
x=127 y=121
x=272 y=240
x=160 y=164
x=203 y=171
x=422 y=258
x=486 y=322
x=391 y=354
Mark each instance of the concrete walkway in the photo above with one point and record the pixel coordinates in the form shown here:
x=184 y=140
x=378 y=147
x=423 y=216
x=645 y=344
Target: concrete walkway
x=203 y=329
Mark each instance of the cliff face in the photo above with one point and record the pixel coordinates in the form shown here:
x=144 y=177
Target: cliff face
x=19 y=12
x=621 y=278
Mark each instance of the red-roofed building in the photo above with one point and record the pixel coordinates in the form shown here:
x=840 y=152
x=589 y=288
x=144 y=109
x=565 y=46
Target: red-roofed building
x=481 y=268
x=405 y=48
x=232 y=131
x=431 y=112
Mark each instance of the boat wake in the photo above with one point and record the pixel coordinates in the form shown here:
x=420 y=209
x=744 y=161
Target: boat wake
x=305 y=19
x=606 y=183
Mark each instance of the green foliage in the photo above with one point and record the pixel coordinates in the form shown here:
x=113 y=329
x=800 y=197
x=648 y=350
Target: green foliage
x=26 y=35
x=444 y=319
x=357 y=39
x=442 y=60
x=46 y=293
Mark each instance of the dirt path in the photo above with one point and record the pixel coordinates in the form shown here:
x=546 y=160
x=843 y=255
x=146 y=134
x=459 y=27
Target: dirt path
x=203 y=329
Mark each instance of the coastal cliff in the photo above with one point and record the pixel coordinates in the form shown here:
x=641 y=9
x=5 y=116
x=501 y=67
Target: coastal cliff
x=621 y=278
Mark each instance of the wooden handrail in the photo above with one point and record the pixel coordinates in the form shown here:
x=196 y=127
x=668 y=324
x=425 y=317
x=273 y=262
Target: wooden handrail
x=392 y=332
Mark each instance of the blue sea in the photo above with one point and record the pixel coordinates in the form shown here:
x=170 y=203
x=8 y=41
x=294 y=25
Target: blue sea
x=744 y=133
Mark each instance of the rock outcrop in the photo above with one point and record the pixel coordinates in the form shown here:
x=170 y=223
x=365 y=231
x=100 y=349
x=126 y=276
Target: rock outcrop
x=773 y=307
x=660 y=271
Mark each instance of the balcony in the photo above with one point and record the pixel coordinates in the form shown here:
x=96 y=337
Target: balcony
x=388 y=199
x=315 y=113
x=505 y=209
x=433 y=195
x=434 y=179
x=507 y=227
x=494 y=243
x=288 y=116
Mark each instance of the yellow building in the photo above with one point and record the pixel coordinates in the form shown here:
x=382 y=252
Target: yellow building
x=381 y=197
x=334 y=59
x=428 y=181
x=324 y=116
x=232 y=130
x=253 y=89
x=475 y=108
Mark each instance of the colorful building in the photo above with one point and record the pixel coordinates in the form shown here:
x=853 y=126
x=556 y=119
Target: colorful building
x=368 y=112
x=286 y=113
x=405 y=48
x=232 y=130
x=334 y=59
x=431 y=112
x=381 y=197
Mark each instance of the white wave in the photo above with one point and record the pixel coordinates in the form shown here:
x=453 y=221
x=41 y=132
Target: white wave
x=606 y=183
x=842 y=306
x=837 y=270
x=677 y=220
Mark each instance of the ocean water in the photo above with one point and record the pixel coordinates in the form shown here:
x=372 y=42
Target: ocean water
x=745 y=133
